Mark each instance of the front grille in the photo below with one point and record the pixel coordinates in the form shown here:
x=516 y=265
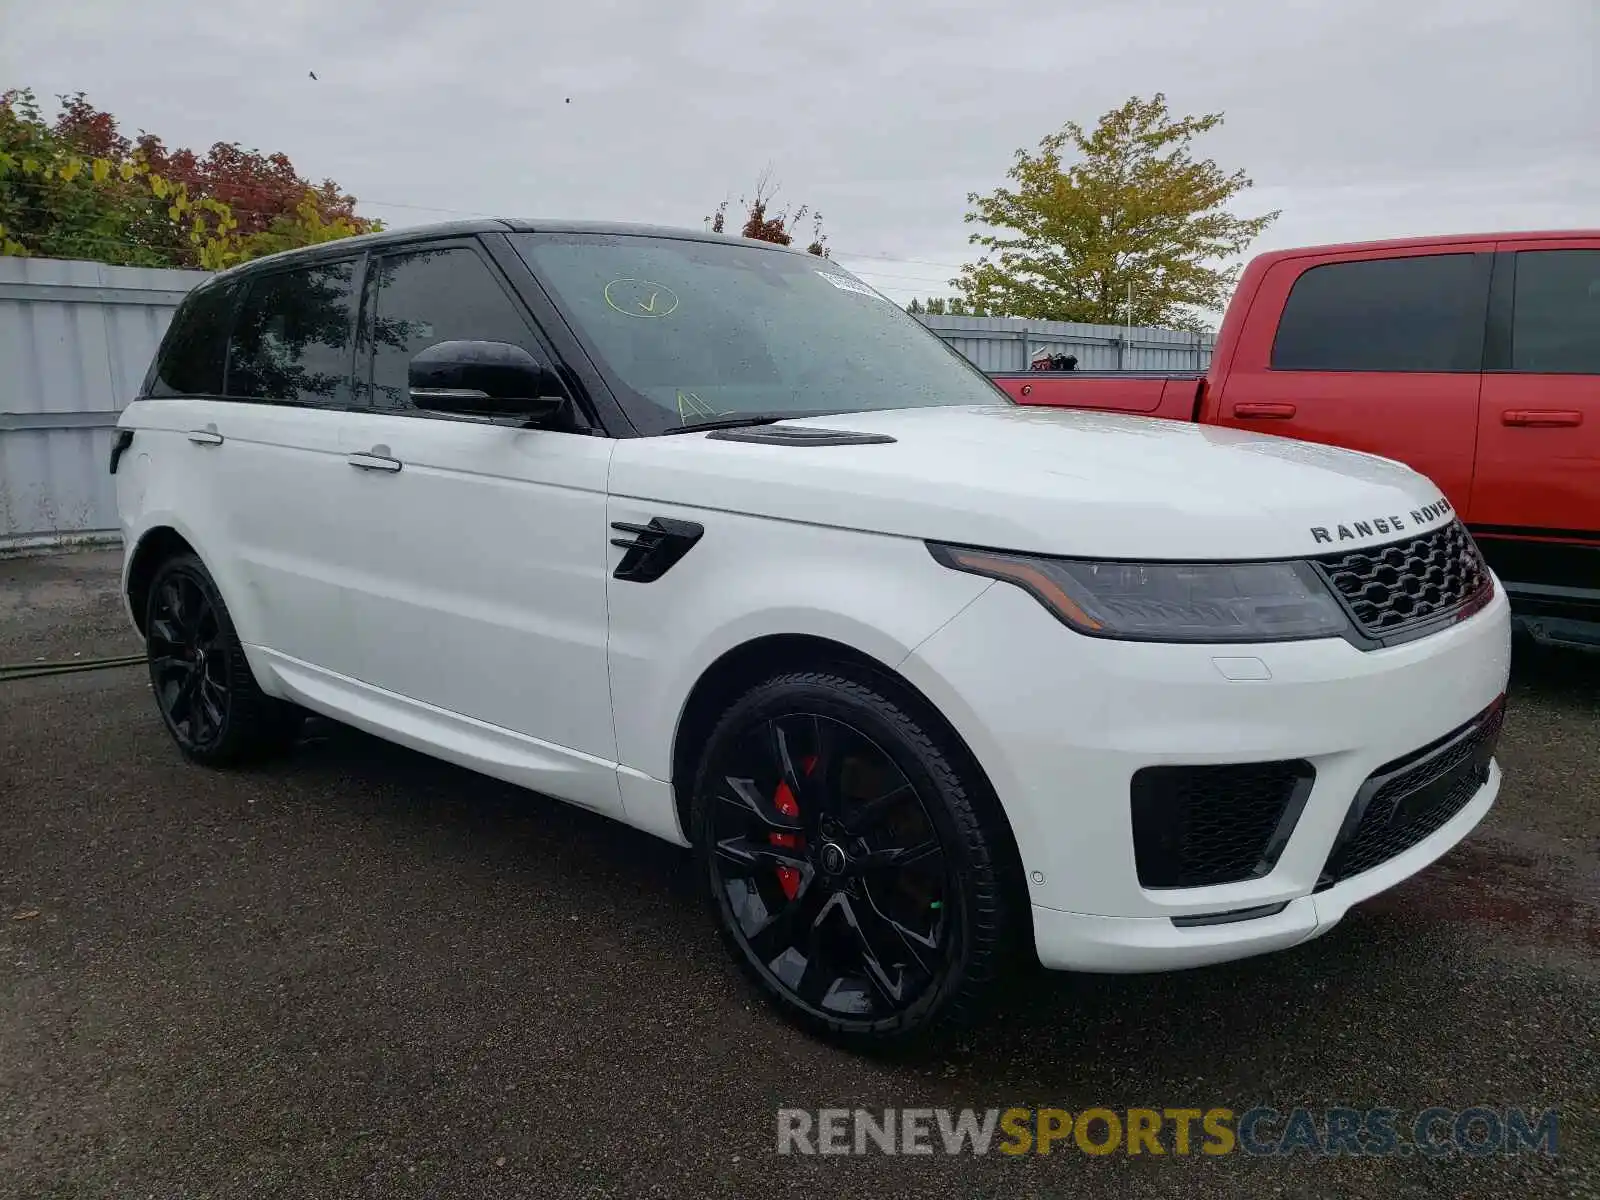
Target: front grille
x=1390 y=589
x=1199 y=826
x=1412 y=798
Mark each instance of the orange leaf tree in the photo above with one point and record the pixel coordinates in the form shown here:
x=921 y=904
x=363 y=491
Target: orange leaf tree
x=763 y=225
x=75 y=187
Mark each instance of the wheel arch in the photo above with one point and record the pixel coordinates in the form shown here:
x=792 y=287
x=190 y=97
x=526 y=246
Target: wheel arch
x=155 y=546
x=166 y=534
x=747 y=664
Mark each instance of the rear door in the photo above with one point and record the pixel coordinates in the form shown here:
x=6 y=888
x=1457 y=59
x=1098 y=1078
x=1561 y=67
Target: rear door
x=277 y=458
x=1378 y=354
x=1536 y=494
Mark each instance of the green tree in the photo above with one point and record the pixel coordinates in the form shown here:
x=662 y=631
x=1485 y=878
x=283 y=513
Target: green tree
x=1133 y=209
x=940 y=306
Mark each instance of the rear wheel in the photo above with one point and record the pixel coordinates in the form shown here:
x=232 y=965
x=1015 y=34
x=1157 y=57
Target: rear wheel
x=850 y=867
x=202 y=681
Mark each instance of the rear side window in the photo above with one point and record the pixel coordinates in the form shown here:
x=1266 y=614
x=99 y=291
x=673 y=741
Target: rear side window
x=1387 y=314
x=1555 y=326
x=196 y=348
x=431 y=296
x=291 y=338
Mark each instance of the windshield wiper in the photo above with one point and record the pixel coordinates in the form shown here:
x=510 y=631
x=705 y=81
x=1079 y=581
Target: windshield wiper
x=736 y=421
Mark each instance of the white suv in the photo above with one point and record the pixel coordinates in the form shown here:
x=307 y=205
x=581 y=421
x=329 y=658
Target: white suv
x=707 y=536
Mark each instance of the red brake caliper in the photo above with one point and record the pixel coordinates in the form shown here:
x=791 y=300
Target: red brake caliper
x=783 y=800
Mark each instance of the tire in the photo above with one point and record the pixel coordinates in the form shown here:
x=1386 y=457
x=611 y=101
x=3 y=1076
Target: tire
x=205 y=691
x=762 y=836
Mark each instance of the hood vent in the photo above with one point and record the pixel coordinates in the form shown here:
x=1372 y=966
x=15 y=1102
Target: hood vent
x=798 y=435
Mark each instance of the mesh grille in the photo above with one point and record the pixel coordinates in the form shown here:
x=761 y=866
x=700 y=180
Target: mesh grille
x=1416 y=797
x=1390 y=588
x=1198 y=826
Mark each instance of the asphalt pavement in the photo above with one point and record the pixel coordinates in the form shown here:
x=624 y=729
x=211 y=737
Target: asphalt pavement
x=361 y=972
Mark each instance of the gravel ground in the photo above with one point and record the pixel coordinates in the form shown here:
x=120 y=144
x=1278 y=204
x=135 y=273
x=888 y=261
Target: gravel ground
x=360 y=972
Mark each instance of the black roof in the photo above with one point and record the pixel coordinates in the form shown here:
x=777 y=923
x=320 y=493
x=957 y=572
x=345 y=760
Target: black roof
x=482 y=225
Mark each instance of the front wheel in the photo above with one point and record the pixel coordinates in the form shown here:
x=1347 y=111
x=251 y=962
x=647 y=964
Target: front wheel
x=853 y=871
x=202 y=681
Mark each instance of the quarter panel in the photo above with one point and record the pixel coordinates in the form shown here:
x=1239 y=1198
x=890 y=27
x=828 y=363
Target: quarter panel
x=166 y=480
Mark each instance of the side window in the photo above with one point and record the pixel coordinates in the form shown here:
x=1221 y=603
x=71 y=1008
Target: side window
x=291 y=338
x=195 y=349
x=431 y=296
x=1555 y=323
x=1424 y=313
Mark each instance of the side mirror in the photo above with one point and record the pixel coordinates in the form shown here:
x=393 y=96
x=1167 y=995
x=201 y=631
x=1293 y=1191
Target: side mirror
x=483 y=379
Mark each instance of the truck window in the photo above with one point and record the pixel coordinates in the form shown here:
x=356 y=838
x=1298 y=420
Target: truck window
x=1555 y=324
x=1424 y=313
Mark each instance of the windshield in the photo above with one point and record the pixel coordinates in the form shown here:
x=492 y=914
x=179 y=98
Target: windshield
x=691 y=331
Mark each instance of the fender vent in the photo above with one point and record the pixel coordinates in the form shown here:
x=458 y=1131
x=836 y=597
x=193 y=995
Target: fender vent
x=653 y=548
x=798 y=435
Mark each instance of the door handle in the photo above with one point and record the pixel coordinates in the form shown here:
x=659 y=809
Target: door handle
x=1541 y=416
x=205 y=437
x=1253 y=410
x=373 y=462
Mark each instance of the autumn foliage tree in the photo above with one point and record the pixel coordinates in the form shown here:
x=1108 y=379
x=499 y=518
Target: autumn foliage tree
x=1092 y=214
x=762 y=224
x=77 y=187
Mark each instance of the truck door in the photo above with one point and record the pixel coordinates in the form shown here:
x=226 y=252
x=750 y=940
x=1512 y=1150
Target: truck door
x=1536 y=492
x=1381 y=354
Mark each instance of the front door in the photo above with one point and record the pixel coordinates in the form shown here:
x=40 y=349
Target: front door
x=480 y=570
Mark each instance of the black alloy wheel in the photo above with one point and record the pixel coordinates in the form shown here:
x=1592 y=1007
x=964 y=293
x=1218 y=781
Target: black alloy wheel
x=848 y=868
x=188 y=664
x=202 y=681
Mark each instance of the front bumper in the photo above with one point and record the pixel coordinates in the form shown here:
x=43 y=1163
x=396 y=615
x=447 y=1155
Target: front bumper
x=1060 y=723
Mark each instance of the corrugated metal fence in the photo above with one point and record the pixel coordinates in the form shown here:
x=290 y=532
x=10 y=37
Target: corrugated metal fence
x=1001 y=344
x=75 y=341
x=77 y=337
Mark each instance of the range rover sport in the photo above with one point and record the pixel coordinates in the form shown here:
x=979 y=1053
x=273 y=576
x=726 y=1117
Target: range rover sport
x=709 y=537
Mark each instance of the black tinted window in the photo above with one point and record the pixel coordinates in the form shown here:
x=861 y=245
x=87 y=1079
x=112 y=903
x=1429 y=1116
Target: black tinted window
x=1556 y=326
x=434 y=296
x=291 y=339
x=1388 y=314
x=195 y=349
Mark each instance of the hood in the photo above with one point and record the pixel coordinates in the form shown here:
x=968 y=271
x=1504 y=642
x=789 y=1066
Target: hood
x=1049 y=481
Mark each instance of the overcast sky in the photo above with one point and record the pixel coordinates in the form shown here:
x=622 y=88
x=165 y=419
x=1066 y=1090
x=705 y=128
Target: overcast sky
x=1358 y=118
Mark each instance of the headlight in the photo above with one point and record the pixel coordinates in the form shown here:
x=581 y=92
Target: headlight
x=1168 y=602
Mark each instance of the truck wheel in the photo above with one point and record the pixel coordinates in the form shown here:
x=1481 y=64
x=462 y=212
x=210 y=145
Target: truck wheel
x=852 y=875
x=203 y=685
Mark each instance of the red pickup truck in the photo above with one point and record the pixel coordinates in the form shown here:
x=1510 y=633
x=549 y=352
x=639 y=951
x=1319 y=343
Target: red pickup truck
x=1474 y=359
